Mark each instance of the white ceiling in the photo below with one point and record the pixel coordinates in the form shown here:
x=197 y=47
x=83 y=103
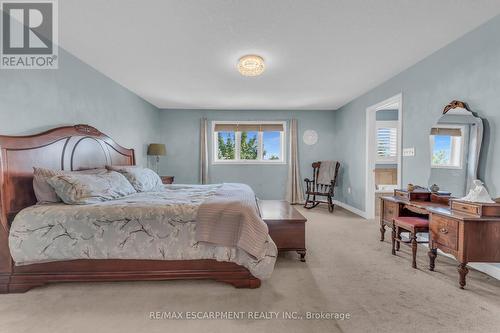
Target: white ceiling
x=319 y=54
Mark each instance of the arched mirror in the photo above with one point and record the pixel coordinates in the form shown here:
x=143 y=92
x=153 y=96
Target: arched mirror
x=455 y=145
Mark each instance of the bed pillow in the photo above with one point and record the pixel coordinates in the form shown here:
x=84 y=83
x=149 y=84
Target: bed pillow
x=82 y=189
x=44 y=192
x=142 y=179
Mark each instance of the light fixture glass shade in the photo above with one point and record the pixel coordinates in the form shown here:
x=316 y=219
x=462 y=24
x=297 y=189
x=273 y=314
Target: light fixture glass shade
x=157 y=149
x=251 y=65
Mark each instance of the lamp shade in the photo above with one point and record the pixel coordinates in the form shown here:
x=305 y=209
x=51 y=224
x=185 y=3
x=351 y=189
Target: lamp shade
x=157 y=149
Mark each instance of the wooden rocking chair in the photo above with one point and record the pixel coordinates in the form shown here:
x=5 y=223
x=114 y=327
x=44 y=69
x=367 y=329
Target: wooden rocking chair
x=313 y=189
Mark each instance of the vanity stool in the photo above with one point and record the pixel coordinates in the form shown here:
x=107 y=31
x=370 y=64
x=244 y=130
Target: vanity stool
x=413 y=225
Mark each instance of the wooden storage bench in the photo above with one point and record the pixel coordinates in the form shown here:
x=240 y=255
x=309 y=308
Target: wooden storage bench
x=287 y=227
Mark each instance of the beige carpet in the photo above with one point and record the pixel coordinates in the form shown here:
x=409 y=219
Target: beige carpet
x=348 y=270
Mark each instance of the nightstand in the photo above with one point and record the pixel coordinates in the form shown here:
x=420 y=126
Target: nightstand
x=167 y=179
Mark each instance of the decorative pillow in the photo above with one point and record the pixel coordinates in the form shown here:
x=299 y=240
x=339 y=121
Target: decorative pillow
x=44 y=192
x=142 y=179
x=82 y=189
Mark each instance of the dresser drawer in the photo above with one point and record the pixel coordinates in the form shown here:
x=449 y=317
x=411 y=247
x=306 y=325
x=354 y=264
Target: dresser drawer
x=444 y=231
x=391 y=210
x=466 y=208
x=401 y=194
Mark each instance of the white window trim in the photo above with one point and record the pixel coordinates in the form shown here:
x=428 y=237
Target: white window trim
x=461 y=154
x=216 y=161
x=386 y=124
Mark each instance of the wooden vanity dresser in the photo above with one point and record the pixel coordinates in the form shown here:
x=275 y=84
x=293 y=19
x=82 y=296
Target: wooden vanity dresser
x=468 y=231
x=404 y=203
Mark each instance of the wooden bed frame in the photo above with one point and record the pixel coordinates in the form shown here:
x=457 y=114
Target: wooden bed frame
x=75 y=148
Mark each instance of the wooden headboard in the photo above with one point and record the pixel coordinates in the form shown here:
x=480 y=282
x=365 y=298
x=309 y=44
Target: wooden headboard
x=65 y=148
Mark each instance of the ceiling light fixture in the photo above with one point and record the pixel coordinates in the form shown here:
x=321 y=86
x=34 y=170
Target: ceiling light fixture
x=251 y=65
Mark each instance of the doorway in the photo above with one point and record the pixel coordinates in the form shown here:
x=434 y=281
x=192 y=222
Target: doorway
x=383 y=151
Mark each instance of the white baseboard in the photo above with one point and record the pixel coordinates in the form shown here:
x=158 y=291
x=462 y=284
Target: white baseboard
x=488 y=269
x=350 y=208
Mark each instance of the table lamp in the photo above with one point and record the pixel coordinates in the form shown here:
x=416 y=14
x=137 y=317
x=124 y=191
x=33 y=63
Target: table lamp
x=157 y=149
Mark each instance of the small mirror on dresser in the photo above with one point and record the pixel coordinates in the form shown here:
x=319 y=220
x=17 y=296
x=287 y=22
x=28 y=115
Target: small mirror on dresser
x=455 y=145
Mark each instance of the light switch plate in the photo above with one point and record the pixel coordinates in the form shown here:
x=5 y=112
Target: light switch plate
x=409 y=152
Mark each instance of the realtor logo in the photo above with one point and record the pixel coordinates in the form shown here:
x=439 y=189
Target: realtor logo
x=29 y=35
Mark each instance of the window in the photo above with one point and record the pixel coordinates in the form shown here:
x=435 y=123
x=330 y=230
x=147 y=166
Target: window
x=248 y=142
x=387 y=142
x=446 y=147
x=226 y=142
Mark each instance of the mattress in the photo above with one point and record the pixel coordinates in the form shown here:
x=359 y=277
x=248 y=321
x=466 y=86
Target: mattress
x=148 y=225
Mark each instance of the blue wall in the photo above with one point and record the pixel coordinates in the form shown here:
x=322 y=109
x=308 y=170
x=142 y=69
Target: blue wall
x=32 y=101
x=180 y=133
x=468 y=70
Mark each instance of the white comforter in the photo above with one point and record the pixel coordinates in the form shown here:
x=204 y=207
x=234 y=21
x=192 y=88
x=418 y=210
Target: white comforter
x=151 y=225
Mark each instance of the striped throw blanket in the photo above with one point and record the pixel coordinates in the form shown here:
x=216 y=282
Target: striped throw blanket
x=231 y=218
x=326 y=172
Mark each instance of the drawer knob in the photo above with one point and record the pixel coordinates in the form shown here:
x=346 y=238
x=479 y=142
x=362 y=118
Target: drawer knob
x=443 y=231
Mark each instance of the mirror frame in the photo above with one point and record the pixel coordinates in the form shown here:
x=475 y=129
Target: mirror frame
x=459 y=108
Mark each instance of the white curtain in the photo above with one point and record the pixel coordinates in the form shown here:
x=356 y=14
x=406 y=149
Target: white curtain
x=294 y=192
x=203 y=151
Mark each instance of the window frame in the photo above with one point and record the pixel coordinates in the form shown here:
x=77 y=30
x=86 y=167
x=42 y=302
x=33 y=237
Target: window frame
x=260 y=143
x=460 y=154
x=386 y=124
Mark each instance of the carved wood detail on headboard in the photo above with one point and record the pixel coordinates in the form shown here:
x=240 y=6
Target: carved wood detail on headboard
x=88 y=130
x=64 y=148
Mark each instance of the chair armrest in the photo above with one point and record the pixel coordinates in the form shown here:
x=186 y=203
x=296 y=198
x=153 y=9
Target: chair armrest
x=307 y=180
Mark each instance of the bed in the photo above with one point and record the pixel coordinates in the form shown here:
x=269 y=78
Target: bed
x=145 y=236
